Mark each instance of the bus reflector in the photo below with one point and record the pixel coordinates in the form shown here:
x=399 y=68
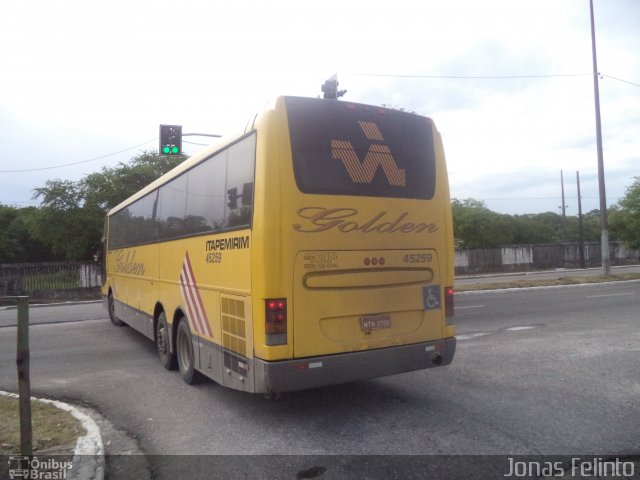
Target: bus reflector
x=276 y=319
x=448 y=301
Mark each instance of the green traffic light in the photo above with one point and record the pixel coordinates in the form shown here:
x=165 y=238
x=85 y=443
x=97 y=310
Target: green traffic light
x=175 y=150
x=166 y=149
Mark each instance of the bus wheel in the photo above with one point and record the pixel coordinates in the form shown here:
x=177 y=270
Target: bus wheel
x=184 y=351
x=112 y=311
x=167 y=359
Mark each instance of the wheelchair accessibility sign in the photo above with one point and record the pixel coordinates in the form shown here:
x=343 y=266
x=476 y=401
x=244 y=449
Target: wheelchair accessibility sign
x=431 y=297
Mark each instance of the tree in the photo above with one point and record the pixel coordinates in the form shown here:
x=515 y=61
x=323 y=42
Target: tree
x=71 y=215
x=16 y=242
x=625 y=216
x=530 y=229
x=592 y=227
x=108 y=188
x=68 y=226
x=10 y=248
x=475 y=226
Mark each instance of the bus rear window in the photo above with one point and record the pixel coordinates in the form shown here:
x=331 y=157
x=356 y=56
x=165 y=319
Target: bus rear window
x=342 y=148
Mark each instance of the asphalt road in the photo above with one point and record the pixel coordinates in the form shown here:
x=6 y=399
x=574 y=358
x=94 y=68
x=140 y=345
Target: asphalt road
x=56 y=313
x=550 y=371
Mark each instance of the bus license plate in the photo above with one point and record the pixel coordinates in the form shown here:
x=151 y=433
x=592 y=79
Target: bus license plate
x=375 y=322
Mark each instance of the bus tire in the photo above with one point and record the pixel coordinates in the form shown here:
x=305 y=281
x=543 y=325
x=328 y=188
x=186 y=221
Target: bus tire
x=163 y=344
x=184 y=353
x=112 y=311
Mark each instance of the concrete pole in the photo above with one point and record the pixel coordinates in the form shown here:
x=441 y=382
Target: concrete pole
x=580 y=226
x=606 y=257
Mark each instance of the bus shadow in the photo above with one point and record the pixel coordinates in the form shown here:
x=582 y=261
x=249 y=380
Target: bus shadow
x=361 y=398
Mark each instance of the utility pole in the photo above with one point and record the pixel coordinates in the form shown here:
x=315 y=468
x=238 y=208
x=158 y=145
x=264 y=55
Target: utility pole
x=606 y=257
x=580 y=226
x=564 y=209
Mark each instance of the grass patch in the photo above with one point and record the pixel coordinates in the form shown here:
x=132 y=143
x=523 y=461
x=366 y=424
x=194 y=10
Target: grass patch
x=54 y=430
x=549 y=282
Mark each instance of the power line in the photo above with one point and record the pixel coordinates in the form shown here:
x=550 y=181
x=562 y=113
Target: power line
x=463 y=77
x=77 y=163
x=620 y=80
x=489 y=77
x=509 y=199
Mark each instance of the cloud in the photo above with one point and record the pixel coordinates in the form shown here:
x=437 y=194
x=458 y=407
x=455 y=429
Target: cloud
x=89 y=79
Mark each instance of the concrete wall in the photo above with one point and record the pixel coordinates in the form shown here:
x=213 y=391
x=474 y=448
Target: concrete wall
x=50 y=279
x=519 y=258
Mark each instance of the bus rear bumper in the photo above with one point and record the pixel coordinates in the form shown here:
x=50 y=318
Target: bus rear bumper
x=300 y=374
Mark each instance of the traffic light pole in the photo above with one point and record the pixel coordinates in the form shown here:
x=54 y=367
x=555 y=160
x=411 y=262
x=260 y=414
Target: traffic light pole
x=201 y=135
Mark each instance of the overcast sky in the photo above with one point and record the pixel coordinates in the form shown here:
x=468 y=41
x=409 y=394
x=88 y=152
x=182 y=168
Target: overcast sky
x=83 y=79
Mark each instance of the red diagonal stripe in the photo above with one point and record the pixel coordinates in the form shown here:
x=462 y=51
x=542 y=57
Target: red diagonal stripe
x=191 y=298
x=202 y=314
x=196 y=299
x=188 y=300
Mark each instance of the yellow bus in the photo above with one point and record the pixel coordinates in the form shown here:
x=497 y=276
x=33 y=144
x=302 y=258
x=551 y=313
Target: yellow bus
x=315 y=248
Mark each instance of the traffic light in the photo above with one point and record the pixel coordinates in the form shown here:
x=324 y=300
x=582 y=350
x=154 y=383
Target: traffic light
x=170 y=139
x=233 y=198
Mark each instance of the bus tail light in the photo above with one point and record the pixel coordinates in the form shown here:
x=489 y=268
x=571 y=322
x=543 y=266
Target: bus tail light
x=448 y=301
x=276 y=321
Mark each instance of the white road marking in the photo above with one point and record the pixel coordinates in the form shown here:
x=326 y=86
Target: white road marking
x=470 y=336
x=610 y=295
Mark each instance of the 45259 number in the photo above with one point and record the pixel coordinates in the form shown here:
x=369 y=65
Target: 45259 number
x=417 y=258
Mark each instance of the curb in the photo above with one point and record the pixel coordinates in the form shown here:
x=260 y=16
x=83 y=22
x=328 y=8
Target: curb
x=533 y=273
x=88 y=455
x=54 y=304
x=543 y=287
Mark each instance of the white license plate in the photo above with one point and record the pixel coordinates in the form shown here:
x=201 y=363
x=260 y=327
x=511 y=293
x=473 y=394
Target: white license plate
x=375 y=322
